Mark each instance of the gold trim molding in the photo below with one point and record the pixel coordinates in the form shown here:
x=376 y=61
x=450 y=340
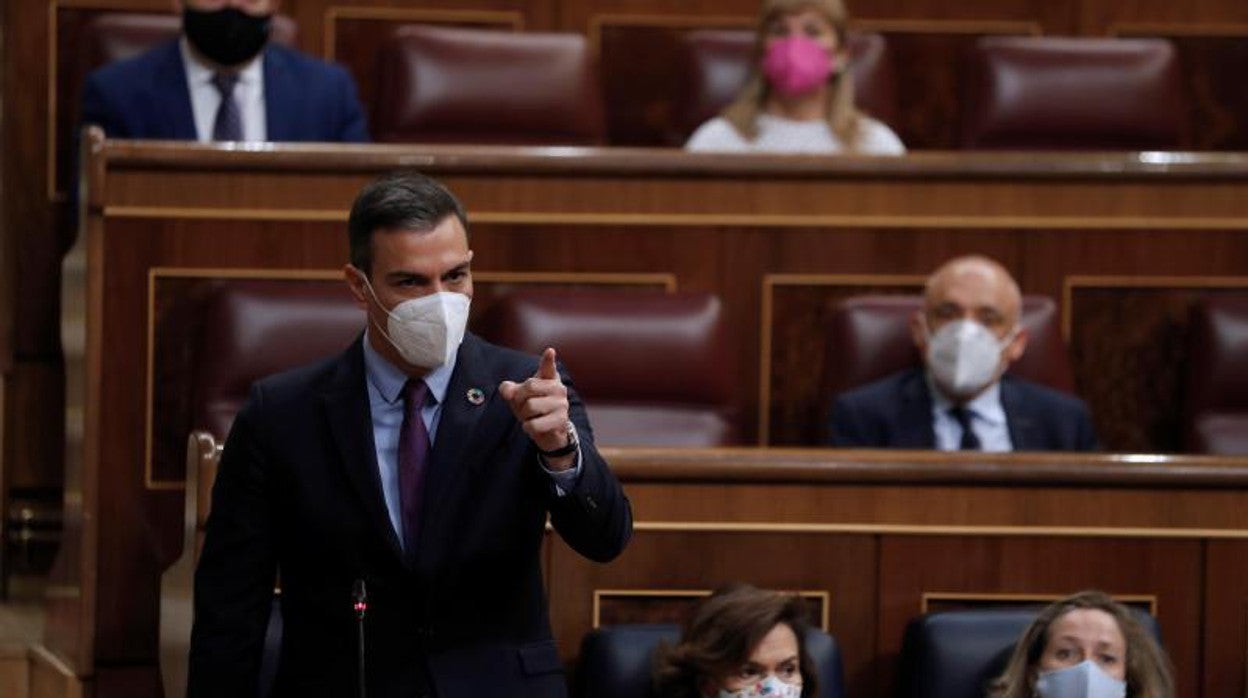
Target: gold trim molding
x=1017 y=598
x=824 y=598
x=767 y=318
x=511 y=19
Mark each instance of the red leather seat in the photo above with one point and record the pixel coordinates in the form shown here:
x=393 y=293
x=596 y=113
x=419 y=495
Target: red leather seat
x=253 y=328
x=1216 y=412
x=457 y=85
x=717 y=64
x=653 y=368
x=112 y=36
x=869 y=338
x=1073 y=93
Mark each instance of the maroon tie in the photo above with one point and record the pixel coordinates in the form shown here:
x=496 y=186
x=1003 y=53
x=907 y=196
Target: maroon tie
x=413 y=455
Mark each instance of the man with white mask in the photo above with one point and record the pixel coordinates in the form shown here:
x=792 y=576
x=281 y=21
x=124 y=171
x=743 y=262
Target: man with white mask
x=413 y=473
x=968 y=333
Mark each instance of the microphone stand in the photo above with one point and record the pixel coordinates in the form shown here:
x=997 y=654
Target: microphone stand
x=359 y=597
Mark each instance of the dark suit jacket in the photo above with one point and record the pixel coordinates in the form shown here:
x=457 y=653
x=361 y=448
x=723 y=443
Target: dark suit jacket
x=896 y=412
x=298 y=491
x=146 y=97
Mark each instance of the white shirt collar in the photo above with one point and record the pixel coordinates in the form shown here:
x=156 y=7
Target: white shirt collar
x=986 y=406
x=388 y=379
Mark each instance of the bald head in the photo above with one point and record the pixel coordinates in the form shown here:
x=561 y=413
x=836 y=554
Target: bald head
x=973 y=287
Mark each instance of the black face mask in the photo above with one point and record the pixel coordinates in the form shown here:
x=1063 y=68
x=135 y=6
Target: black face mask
x=228 y=36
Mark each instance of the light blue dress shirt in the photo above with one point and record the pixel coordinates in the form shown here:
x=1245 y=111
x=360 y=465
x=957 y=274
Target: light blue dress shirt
x=385 y=400
x=987 y=420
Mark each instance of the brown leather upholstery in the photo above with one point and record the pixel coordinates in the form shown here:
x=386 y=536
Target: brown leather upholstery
x=869 y=338
x=253 y=328
x=717 y=64
x=1073 y=93
x=1217 y=383
x=653 y=368
x=450 y=84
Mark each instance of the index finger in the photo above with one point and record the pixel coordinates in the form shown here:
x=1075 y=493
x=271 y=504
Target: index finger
x=546 y=370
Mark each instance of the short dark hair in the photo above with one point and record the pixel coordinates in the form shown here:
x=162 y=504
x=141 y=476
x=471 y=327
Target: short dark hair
x=721 y=635
x=403 y=200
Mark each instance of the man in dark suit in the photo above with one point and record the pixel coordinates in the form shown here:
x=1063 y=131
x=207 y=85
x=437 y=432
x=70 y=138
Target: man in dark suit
x=224 y=81
x=415 y=467
x=968 y=334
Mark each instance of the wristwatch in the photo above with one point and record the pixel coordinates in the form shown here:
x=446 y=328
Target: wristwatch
x=573 y=442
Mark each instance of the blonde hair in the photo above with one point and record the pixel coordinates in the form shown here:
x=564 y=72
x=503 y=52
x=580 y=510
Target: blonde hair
x=842 y=116
x=1147 y=672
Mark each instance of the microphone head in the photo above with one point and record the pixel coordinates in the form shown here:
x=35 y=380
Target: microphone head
x=358 y=591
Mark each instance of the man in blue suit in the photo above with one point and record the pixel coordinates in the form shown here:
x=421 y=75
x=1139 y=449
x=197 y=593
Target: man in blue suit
x=222 y=80
x=968 y=334
x=419 y=466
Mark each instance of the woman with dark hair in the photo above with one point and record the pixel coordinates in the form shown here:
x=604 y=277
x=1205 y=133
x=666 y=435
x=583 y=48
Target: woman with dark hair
x=742 y=642
x=1085 y=646
x=800 y=94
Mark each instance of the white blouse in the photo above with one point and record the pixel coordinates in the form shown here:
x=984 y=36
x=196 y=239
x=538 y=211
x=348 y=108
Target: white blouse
x=779 y=135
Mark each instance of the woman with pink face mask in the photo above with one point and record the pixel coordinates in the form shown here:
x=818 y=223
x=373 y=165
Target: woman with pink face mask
x=800 y=95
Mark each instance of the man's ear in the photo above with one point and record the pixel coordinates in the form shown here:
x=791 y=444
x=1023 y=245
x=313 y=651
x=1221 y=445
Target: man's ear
x=918 y=330
x=355 y=283
x=1017 y=346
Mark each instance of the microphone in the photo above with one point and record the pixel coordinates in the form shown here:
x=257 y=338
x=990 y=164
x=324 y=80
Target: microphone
x=359 y=603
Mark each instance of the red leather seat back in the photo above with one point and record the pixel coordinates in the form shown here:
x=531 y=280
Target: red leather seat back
x=654 y=368
x=1073 y=93
x=459 y=85
x=717 y=64
x=113 y=36
x=869 y=338
x=254 y=328
x=1216 y=412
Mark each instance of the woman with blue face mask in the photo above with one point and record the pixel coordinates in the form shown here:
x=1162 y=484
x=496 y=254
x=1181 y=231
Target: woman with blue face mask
x=1085 y=646
x=742 y=642
x=799 y=97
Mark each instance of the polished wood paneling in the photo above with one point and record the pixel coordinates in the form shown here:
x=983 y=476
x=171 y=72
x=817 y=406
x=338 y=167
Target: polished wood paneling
x=888 y=534
x=1169 y=570
x=636 y=40
x=1225 y=631
x=716 y=223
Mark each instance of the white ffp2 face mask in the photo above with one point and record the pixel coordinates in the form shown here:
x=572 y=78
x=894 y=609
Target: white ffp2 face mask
x=964 y=356
x=771 y=687
x=426 y=331
x=1083 y=680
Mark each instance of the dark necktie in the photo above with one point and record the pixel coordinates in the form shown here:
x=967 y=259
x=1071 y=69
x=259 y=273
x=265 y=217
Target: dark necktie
x=413 y=457
x=228 y=126
x=970 y=442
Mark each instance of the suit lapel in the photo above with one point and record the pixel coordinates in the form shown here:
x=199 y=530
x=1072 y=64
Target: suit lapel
x=174 y=96
x=458 y=429
x=346 y=405
x=915 y=425
x=280 y=106
x=1023 y=427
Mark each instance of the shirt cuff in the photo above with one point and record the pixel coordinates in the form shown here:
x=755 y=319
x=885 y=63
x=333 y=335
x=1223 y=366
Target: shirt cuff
x=565 y=480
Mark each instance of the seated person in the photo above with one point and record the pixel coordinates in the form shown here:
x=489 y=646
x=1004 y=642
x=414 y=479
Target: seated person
x=968 y=333
x=741 y=642
x=1085 y=645
x=800 y=95
x=222 y=80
